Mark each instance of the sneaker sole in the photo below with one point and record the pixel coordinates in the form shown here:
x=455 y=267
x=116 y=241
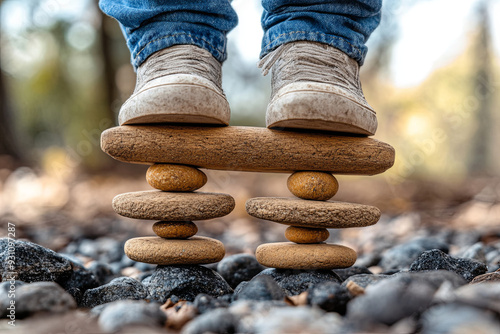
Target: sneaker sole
x=176 y=99
x=324 y=111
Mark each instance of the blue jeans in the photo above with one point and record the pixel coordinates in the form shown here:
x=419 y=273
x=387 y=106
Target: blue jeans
x=152 y=25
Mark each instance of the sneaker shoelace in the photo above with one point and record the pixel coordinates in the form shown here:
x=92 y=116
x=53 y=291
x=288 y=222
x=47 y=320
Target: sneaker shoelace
x=180 y=59
x=311 y=62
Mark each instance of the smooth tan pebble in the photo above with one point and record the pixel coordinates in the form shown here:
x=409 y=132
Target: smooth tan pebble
x=175 y=230
x=155 y=250
x=317 y=186
x=312 y=214
x=288 y=255
x=303 y=235
x=169 y=177
x=168 y=206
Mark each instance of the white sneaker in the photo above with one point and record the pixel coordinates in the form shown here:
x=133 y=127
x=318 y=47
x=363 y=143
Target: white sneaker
x=180 y=84
x=316 y=86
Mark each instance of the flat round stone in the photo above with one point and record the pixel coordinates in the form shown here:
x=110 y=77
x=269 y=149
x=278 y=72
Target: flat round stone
x=315 y=214
x=160 y=205
x=169 y=177
x=155 y=250
x=304 y=235
x=287 y=255
x=175 y=230
x=317 y=186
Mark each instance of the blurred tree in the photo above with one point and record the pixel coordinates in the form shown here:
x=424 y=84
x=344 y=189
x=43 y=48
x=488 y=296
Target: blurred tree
x=109 y=75
x=8 y=143
x=483 y=92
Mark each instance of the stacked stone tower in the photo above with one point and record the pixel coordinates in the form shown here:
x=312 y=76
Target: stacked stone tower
x=174 y=205
x=176 y=153
x=309 y=217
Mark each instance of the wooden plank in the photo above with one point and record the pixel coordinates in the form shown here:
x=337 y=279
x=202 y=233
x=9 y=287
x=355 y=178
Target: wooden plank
x=250 y=149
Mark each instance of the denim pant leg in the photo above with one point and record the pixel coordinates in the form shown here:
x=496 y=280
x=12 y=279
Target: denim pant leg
x=343 y=24
x=153 y=25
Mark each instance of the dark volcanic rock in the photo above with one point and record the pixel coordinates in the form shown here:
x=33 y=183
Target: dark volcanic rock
x=42 y=297
x=118 y=289
x=436 y=259
x=33 y=263
x=205 y=303
x=260 y=288
x=294 y=282
x=329 y=296
x=351 y=271
x=401 y=256
x=238 y=268
x=185 y=282
x=124 y=313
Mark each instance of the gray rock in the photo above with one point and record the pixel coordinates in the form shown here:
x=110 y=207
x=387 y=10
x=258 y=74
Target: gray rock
x=401 y=256
x=81 y=280
x=33 y=263
x=97 y=310
x=205 y=303
x=436 y=260
x=124 y=313
x=434 y=278
x=249 y=311
x=329 y=296
x=390 y=300
x=294 y=282
x=351 y=271
x=238 y=268
x=364 y=280
x=301 y=319
x=485 y=295
x=145 y=266
x=118 y=289
x=475 y=252
x=42 y=297
x=103 y=249
x=102 y=272
x=260 y=288
x=7 y=293
x=456 y=318
x=185 y=282
x=220 y=320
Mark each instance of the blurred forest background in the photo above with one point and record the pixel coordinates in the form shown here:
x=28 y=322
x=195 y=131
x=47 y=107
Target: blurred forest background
x=65 y=72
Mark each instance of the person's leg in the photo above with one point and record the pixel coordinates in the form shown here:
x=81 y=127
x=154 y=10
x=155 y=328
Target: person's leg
x=345 y=24
x=177 y=48
x=320 y=42
x=153 y=25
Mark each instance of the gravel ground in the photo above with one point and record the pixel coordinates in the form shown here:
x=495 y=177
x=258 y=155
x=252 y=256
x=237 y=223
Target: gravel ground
x=431 y=265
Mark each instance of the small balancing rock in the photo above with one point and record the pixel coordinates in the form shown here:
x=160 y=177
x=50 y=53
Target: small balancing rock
x=169 y=177
x=313 y=214
x=175 y=230
x=287 y=255
x=195 y=250
x=169 y=206
x=317 y=186
x=302 y=235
